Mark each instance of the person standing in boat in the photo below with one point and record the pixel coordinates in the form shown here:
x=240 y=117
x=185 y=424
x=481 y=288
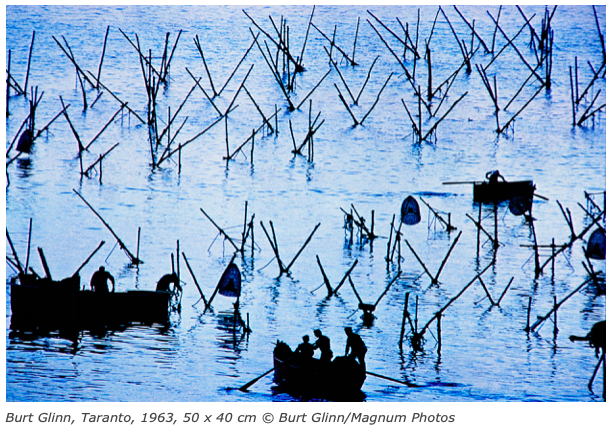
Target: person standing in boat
x=357 y=347
x=493 y=177
x=323 y=345
x=98 y=282
x=305 y=351
x=165 y=282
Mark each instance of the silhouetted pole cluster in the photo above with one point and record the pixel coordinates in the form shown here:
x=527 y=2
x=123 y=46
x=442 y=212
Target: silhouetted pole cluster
x=274 y=244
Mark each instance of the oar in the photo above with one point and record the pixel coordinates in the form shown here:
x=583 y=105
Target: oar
x=462 y=182
x=255 y=380
x=411 y=385
x=541 y=197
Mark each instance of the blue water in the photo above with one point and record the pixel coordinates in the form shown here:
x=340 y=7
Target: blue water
x=485 y=354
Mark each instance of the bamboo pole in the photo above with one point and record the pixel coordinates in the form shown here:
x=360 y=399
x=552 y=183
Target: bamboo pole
x=505 y=291
x=404 y=314
x=99 y=159
x=439 y=312
x=179 y=148
x=420 y=262
x=411 y=48
x=221 y=230
x=444 y=115
x=29 y=60
x=81 y=147
x=104 y=127
x=72 y=59
x=120 y=101
x=44 y=262
x=88 y=259
x=204 y=92
x=17 y=262
x=377 y=99
x=313 y=89
x=541 y=319
x=134 y=260
x=207 y=305
x=473 y=29
x=274 y=246
x=487 y=292
x=346 y=275
x=333 y=44
x=447 y=256
x=281 y=47
x=100 y=64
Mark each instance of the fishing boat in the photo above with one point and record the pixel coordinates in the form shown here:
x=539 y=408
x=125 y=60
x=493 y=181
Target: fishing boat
x=340 y=380
x=495 y=192
x=45 y=305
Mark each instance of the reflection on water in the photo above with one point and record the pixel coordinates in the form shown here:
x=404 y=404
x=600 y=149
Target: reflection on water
x=484 y=352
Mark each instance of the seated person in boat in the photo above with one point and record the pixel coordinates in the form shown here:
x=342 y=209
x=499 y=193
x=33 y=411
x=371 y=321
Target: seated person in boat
x=357 y=347
x=305 y=351
x=323 y=345
x=493 y=177
x=166 y=280
x=98 y=283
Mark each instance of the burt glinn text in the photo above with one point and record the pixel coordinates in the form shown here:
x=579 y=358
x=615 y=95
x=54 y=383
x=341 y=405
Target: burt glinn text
x=283 y=418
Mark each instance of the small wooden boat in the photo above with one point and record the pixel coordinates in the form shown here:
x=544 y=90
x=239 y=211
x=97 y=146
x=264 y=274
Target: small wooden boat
x=340 y=380
x=495 y=192
x=46 y=305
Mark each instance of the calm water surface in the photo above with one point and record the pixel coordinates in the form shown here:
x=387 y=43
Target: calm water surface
x=485 y=355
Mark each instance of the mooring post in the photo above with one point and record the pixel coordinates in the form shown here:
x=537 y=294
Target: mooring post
x=29 y=59
x=138 y=242
x=495 y=226
x=438 y=331
x=28 y=251
x=505 y=291
x=404 y=314
x=555 y=316
x=527 y=329
x=416 y=307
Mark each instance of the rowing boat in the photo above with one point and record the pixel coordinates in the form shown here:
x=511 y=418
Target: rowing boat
x=340 y=380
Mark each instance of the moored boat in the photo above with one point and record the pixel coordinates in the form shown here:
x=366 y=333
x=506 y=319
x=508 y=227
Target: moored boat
x=341 y=379
x=495 y=192
x=44 y=304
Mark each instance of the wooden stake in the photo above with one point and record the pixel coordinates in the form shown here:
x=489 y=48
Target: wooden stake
x=404 y=314
x=134 y=260
x=207 y=305
x=29 y=60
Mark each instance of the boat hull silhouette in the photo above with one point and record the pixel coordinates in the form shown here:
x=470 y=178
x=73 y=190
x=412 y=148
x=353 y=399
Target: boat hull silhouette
x=340 y=380
x=43 y=304
x=495 y=192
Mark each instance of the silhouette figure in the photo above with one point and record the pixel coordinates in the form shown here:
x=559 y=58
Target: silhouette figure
x=166 y=280
x=357 y=347
x=98 y=282
x=493 y=176
x=596 y=337
x=323 y=345
x=305 y=349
